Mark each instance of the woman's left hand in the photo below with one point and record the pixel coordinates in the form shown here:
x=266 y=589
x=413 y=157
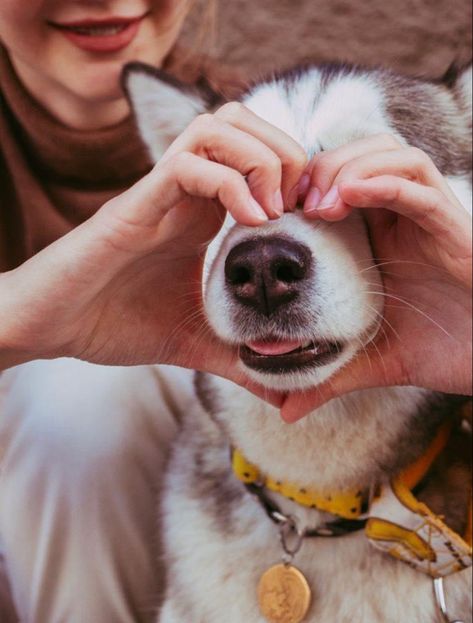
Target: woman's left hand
x=421 y=240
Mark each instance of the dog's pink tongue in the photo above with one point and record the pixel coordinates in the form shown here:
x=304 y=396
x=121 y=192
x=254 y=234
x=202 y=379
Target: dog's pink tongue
x=274 y=348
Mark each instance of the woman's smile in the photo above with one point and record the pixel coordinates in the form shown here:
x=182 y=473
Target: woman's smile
x=102 y=36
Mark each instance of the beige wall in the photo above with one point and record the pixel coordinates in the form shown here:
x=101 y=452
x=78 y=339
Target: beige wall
x=413 y=36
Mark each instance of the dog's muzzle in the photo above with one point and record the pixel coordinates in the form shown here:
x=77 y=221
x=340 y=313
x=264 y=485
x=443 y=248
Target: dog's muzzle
x=266 y=276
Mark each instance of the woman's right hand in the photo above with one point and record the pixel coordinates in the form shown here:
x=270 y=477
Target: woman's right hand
x=124 y=287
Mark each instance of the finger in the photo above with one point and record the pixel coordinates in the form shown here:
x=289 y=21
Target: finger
x=291 y=154
x=220 y=142
x=326 y=165
x=425 y=206
x=215 y=365
x=367 y=370
x=409 y=163
x=134 y=216
x=215 y=357
x=336 y=210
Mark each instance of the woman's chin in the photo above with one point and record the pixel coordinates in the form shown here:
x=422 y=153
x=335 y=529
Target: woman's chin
x=101 y=86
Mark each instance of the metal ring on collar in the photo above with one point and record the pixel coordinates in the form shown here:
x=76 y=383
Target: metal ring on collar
x=439 y=591
x=291 y=536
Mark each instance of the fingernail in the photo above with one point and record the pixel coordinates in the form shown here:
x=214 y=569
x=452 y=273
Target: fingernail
x=312 y=200
x=303 y=186
x=278 y=203
x=330 y=199
x=257 y=211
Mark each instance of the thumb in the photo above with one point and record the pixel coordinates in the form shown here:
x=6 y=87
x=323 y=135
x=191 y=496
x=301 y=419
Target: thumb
x=223 y=361
x=373 y=368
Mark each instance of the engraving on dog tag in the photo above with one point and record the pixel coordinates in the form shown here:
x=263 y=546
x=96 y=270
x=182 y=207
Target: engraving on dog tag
x=283 y=594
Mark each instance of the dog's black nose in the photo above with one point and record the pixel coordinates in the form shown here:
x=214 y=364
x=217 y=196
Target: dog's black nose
x=265 y=273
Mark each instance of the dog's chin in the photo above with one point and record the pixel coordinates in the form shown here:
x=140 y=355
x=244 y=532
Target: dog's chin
x=302 y=368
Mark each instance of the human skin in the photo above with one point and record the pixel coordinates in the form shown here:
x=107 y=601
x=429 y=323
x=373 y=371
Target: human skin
x=422 y=240
x=123 y=287
x=80 y=88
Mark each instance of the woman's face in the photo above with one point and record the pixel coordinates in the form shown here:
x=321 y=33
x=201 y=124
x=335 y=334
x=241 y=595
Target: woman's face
x=80 y=46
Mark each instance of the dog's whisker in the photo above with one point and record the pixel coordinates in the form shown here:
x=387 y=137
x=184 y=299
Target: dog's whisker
x=181 y=327
x=414 y=308
x=400 y=262
x=383 y=320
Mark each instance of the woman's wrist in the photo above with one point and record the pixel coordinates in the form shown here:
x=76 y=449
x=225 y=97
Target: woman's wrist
x=11 y=354
x=10 y=358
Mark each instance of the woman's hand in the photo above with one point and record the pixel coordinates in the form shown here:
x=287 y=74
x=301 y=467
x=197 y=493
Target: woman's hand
x=421 y=239
x=124 y=287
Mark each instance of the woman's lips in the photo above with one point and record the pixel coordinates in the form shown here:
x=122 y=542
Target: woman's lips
x=111 y=35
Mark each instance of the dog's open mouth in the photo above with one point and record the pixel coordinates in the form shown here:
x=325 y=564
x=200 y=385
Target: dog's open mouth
x=275 y=356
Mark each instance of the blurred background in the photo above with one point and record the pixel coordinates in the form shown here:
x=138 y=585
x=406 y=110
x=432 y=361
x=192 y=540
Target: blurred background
x=420 y=37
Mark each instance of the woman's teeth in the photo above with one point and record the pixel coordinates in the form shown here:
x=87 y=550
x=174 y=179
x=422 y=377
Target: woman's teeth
x=98 y=31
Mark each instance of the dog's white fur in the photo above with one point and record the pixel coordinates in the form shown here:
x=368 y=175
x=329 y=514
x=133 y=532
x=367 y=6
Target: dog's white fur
x=214 y=567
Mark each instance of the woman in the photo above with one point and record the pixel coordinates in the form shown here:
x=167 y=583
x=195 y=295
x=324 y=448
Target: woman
x=100 y=258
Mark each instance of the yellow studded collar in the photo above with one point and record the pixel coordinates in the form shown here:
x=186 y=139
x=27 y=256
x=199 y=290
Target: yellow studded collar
x=346 y=504
x=397 y=523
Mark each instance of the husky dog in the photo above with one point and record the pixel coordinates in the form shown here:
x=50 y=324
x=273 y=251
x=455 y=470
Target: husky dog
x=220 y=535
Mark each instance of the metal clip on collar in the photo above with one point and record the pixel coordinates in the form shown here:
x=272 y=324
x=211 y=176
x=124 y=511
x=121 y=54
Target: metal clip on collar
x=291 y=537
x=439 y=591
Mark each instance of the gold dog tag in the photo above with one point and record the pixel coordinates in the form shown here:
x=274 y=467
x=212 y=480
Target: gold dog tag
x=283 y=594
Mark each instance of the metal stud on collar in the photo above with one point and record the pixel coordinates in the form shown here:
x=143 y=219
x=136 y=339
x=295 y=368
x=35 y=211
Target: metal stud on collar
x=439 y=591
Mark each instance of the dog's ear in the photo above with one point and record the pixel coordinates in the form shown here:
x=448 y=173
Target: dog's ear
x=464 y=88
x=458 y=77
x=163 y=106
